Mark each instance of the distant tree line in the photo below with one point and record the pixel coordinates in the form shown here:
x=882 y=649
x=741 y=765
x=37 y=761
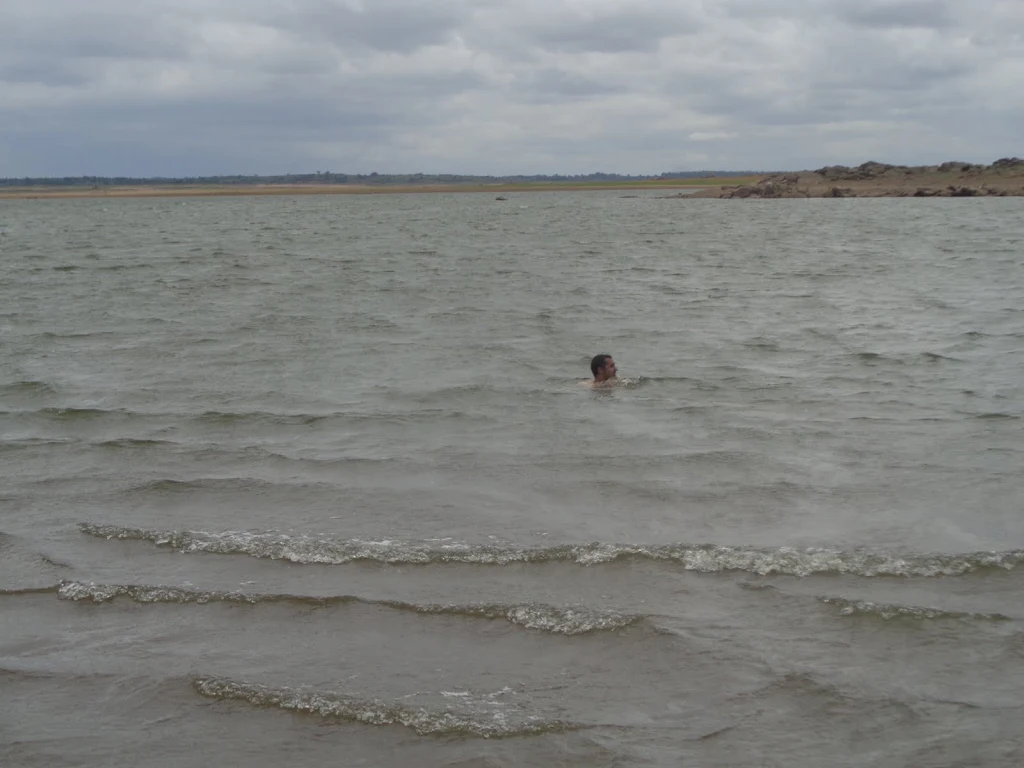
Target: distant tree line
x=327 y=177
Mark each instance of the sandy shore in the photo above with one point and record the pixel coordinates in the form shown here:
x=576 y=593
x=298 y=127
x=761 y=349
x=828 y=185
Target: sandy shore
x=212 y=190
x=1002 y=178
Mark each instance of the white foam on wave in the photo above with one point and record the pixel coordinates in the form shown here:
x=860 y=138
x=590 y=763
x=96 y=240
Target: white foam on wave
x=468 y=716
x=102 y=593
x=557 y=620
x=705 y=558
x=848 y=607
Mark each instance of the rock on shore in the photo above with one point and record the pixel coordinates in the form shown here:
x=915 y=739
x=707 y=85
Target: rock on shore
x=952 y=179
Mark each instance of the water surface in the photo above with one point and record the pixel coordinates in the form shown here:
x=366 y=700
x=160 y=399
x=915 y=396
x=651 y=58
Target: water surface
x=288 y=480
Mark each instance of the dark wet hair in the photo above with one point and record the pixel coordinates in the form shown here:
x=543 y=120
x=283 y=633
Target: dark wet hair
x=598 y=363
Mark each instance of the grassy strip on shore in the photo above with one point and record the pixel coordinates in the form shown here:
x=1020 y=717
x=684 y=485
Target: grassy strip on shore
x=229 y=190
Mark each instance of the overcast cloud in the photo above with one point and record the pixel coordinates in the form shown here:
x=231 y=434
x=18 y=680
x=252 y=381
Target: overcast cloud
x=196 y=87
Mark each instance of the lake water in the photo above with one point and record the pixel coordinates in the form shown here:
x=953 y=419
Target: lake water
x=309 y=481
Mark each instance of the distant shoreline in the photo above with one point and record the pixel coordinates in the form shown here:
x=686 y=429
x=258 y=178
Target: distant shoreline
x=1003 y=178
x=246 y=190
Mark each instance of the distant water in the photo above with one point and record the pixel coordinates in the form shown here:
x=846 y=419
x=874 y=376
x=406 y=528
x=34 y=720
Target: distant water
x=311 y=481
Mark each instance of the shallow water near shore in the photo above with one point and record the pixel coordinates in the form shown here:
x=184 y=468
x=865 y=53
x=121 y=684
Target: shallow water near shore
x=310 y=480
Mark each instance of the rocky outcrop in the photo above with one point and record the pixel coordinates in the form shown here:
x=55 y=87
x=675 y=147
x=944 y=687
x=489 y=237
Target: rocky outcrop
x=957 y=166
x=869 y=170
x=872 y=179
x=772 y=187
x=1008 y=163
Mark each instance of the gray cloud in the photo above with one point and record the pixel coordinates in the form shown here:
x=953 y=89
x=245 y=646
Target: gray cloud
x=40 y=71
x=390 y=26
x=557 y=86
x=185 y=87
x=63 y=30
x=622 y=30
x=887 y=14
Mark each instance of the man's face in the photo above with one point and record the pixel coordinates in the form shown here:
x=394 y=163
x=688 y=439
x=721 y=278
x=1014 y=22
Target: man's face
x=608 y=371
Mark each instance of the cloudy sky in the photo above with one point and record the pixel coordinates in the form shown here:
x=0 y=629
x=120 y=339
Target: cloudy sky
x=191 y=87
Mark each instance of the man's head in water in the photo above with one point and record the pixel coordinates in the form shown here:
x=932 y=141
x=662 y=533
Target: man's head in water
x=603 y=368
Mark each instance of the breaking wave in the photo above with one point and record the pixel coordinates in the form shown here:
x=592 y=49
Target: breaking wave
x=547 y=618
x=706 y=558
x=484 y=717
x=849 y=607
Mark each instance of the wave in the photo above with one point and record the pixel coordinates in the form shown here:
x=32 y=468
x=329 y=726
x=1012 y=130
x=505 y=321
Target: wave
x=872 y=358
x=28 y=443
x=234 y=417
x=209 y=417
x=13 y=547
x=632 y=382
x=27 y=387
x=124 y=267
x=75 y=414
x=16 y=675
x=167 y=486
x=706 y=558
x=482 y=717
x=849 y=607
x=249 y=452
x=217 y=418
x=75 y=334
x=761 y=342
x=547 y=618
x=133 y=443
x=816 y=691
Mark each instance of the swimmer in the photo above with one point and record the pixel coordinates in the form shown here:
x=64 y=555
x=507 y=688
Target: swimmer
x=603 y=368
